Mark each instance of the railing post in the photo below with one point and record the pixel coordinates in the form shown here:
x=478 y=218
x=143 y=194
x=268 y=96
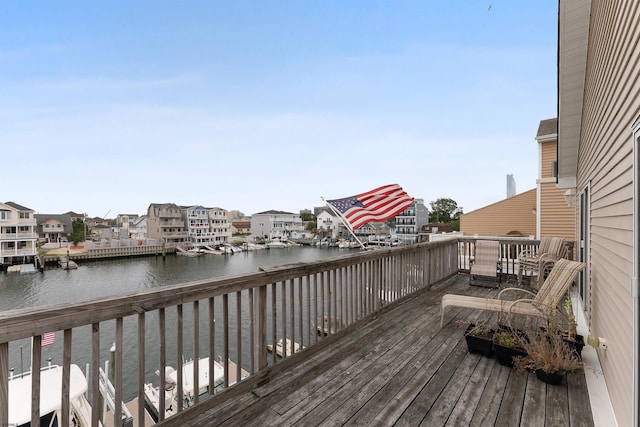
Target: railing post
x=4 y=384
x=260 y=327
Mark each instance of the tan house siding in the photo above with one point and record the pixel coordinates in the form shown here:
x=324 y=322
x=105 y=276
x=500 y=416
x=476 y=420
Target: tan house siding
x=556 y=217
x=547 y=157
x=605 y=163
x=514 y=214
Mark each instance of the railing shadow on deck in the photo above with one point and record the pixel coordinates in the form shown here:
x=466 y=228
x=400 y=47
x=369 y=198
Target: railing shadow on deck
x=233 y=318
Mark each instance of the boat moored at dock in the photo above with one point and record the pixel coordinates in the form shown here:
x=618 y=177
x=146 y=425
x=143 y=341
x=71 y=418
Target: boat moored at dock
x=152 y=393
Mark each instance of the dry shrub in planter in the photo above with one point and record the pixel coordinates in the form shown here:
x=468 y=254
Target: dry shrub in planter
x=548 y=355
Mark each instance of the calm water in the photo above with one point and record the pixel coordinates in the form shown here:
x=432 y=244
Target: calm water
x=120 y=277
x=99 y=279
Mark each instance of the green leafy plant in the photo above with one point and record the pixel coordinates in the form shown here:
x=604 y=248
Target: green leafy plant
x=506 y=339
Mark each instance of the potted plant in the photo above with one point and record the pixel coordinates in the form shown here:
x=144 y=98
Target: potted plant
x=479 y=337
x=548 y=355
x=507 y=344
x=574 y=340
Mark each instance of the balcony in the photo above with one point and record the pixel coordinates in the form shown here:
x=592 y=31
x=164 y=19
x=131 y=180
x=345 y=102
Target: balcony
x=373 y=351
x=171 y=223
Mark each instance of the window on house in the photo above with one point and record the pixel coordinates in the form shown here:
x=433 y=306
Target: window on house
x=554 y=168
x=24 y=215
x=5 y=215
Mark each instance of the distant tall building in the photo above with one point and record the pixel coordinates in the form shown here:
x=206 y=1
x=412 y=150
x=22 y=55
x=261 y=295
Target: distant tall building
x=511 y=186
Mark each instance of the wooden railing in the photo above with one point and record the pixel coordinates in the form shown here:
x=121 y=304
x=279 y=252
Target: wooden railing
x=510 y=248
x=235 y=318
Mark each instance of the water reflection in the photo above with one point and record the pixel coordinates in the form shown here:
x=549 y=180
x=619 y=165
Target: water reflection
x=95 y=280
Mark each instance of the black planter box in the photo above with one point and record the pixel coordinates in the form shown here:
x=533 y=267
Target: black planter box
x=479 y=344
x=576 y=345
x=505 y=355
x=553 y=378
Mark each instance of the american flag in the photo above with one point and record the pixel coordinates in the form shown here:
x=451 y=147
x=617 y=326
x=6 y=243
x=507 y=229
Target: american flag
x=376 y=205
x=48 y=338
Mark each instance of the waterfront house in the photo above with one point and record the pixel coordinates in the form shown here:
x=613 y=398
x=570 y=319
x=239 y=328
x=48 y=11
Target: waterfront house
x=53 y=228
x=18 y=234
x=240 y=227
x=599 y=171
x=220 y=225
x=410 y=221
x=275 y=224
x=328 y=223
x=165 y=224
x=138 y=228
x=125 y=220
x=206 y=226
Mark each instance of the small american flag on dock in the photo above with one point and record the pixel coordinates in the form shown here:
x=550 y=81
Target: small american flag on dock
x=48 y=338
x=376 y=205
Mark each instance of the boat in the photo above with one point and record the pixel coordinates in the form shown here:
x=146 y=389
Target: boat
x=277 y=243
x=152 y=393
x=348 y=244
x=50 y=398
x=190 y=253
x=289 y=346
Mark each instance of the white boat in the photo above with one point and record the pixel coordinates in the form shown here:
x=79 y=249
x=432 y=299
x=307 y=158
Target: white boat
x=348 y=244
x=287 y=350
x=191 y=252
x=50 y=397
x=152 y=393
x=277 y=243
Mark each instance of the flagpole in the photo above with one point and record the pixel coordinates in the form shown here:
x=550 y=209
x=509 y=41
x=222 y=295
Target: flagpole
x=344 y=221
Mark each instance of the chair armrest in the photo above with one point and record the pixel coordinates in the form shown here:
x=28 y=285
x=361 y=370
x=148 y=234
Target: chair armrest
x=548 y=257
x=542 y=307
x=524 y=291
x=526 y=253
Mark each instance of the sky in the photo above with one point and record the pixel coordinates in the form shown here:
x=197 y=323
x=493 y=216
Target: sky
x=107 y=107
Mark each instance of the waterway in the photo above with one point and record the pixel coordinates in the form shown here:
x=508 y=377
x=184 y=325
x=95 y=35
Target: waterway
x=99 y=279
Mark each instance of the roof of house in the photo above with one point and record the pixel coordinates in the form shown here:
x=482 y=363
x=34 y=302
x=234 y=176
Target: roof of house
x=64 y=219
x=17 y=206
x=547 y=127
x=272 y=212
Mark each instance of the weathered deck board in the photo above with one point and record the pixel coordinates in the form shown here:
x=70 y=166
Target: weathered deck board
x=399 y=368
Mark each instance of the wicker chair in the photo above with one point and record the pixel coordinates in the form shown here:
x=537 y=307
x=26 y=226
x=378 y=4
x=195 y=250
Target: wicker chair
x=541 y=305
x=539 y=263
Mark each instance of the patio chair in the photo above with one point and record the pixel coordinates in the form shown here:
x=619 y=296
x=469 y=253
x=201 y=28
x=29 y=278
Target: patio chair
x=540 y=262
x=544 y=302
x=486 y=263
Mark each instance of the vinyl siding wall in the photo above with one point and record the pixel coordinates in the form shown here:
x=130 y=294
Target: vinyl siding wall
x=556 y=217
x=498 y=219
x=605 y=160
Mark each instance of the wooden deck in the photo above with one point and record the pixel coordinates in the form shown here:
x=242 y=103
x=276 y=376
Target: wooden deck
x=401 y=369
